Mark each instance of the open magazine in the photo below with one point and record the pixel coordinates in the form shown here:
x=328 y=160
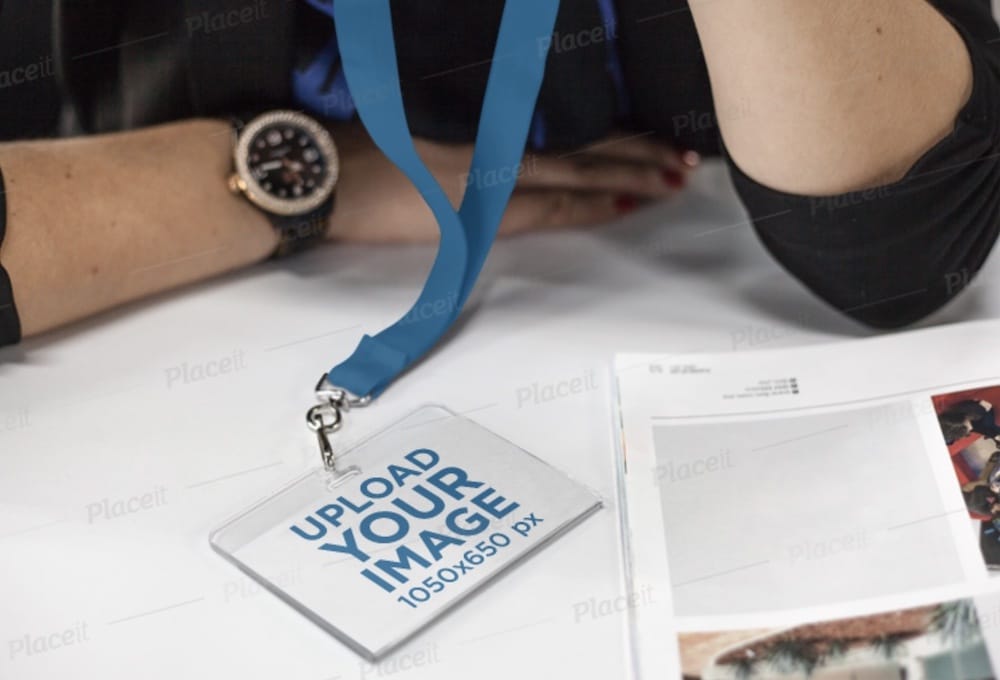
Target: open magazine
x=822 y=512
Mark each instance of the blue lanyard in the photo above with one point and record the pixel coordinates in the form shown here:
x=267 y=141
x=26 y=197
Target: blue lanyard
x=367 y=50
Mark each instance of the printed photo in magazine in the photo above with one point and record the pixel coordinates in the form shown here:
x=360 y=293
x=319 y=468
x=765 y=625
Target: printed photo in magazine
x=970 y=430
x=942 y=641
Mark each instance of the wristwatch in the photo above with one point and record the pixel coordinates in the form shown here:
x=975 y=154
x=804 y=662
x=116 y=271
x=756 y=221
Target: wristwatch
x=285 y=163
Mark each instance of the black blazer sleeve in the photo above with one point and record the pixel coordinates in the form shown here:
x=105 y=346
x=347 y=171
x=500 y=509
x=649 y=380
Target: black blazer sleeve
x=128 y=63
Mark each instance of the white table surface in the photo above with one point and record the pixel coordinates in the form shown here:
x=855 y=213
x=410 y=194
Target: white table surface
x=96 y=412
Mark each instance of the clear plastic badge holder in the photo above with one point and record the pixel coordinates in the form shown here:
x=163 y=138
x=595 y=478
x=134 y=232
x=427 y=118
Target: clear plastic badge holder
x=414 y=520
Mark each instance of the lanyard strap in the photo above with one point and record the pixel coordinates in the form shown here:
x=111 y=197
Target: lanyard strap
x=367 y=49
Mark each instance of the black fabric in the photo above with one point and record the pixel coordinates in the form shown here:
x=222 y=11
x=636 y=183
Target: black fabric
x=29 y=94
x=258 y=34
x=87 y=63
x=575 y=115
x=10 y=326
x=891 y=255
x=128 y=63
x=666 y=74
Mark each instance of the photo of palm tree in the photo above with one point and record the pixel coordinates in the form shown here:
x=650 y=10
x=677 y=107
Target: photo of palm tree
x=936 y=642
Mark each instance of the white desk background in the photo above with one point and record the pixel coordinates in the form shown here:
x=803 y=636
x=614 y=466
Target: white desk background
x=96 y=413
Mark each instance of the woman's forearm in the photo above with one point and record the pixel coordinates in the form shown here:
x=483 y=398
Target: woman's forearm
x=833 y=96
x=95 y=222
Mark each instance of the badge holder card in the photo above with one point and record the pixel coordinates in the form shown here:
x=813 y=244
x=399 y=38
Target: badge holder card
x=405 y=526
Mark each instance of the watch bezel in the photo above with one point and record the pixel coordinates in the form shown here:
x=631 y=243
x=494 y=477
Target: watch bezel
x=274 y=204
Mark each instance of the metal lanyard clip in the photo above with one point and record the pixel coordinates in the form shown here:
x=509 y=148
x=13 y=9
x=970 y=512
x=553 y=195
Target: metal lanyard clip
x=327 y=416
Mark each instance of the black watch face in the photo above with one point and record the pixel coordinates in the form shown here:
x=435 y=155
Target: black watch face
x=288 y=162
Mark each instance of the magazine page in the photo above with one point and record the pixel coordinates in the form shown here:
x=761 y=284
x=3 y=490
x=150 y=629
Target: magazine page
x=823 y=512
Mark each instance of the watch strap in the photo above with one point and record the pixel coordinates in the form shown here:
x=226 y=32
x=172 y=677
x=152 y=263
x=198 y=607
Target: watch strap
x=301 y=232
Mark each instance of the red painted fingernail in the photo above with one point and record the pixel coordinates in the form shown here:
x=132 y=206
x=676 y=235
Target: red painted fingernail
x=626 y=204
x=674 y=179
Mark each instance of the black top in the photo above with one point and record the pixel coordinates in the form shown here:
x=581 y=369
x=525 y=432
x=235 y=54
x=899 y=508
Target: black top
x=128 y=63
x=124 y=64
x=10 y=326
x=29 y=103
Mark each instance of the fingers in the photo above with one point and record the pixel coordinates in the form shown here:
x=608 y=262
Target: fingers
x=640 y=148
x=590 y=174
x=633 y=165
x=538 y=210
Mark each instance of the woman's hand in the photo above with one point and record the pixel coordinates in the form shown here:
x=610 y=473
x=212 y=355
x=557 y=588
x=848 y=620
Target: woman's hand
x=376 y=203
